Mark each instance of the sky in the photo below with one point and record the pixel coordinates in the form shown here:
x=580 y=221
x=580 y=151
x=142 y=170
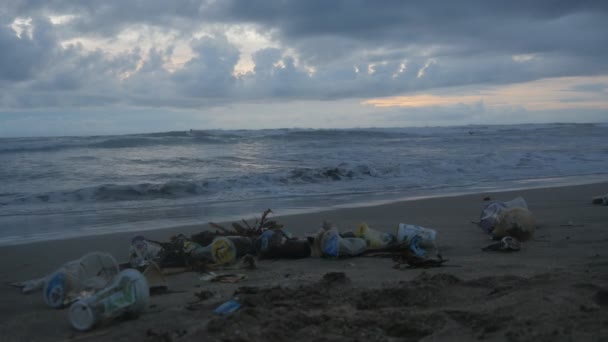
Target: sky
x=129 y=66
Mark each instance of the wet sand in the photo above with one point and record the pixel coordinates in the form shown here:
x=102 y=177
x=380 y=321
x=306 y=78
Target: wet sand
x=555 y=288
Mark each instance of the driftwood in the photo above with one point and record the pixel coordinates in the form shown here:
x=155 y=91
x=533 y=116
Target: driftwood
x=245 y=229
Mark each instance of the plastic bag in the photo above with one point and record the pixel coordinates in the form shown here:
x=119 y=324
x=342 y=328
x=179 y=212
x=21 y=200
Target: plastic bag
x=490 y=212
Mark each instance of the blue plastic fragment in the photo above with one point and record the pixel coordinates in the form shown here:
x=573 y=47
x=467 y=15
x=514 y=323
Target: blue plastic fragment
x=228 y=307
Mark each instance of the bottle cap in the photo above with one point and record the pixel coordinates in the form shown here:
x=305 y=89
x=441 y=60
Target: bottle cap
x=81 y=316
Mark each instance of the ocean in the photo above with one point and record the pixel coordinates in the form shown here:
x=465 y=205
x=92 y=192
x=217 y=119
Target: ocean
x=59 y=187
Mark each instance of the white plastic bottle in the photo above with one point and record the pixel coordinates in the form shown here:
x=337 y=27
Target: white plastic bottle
x=128 y=293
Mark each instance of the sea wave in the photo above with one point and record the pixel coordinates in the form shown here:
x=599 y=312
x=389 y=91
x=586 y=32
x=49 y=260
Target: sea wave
x=187 y=188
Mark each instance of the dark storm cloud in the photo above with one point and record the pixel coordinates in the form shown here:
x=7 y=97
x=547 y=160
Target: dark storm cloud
x=577 y=27
x=325 y=49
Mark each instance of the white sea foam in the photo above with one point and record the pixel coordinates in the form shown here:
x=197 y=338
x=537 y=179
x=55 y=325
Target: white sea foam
x=173 y=175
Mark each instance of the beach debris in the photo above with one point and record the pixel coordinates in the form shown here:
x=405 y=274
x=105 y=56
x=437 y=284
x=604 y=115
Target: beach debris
x=64 y=285
x=30 y=286
x=245 y=229
x=330 y=243
x=277 y=244
x=173 y=254
x=492 y=209
x=406 y=232
x=506 y=244
x=413 y=261
x=220 y=252
x=516 y=222
x=228 y=307
x=603 y=199
x=143 y=251
x=76 y=278
x=375 y=239
x=128 y=294
x=222 y=278
x=228 y=278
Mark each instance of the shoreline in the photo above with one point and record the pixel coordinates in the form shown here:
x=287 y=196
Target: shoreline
x=383 y=198
x=345 y=218
x=556 y=282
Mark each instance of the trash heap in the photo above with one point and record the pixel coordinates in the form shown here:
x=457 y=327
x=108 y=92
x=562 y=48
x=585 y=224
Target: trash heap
x=97 y=289
x=510 y=223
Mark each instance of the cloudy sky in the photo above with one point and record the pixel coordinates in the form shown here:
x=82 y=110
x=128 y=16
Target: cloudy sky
x=123 y=66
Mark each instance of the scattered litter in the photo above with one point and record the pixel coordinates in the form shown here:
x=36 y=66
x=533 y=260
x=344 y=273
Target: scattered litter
x=516 y=222
x=80 y=277
x=221 y=251
x=427 y=236
x=492 y=209
x=143 y=251
x=229 y=278
x=223 y=278
x=375 y=238
x=127 y=294
x=228 y=307
x=506 y=244
x=276 y=243
x=334 y=245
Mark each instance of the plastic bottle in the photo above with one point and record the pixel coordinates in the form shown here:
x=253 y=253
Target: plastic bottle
x=374 y=238
x=92 y=272
x=406 y=232
x=128 y=293
x=333 y=245
x=276 y=244
x=220 y=251
x=143 y=251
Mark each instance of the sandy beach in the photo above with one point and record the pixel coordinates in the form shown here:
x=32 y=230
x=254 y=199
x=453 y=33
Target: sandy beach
x=554 y=289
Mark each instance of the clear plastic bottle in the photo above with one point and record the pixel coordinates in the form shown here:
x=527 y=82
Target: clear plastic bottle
x=90 y=273
x=127 y=294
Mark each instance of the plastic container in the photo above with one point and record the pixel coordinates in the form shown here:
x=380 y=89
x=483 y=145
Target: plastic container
x=220 y=251
x=276 y=244
x=90 y=273
x=333 y=245
x=406 y=232
x=375 y=238
x=127 y=294
x=143 y=251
